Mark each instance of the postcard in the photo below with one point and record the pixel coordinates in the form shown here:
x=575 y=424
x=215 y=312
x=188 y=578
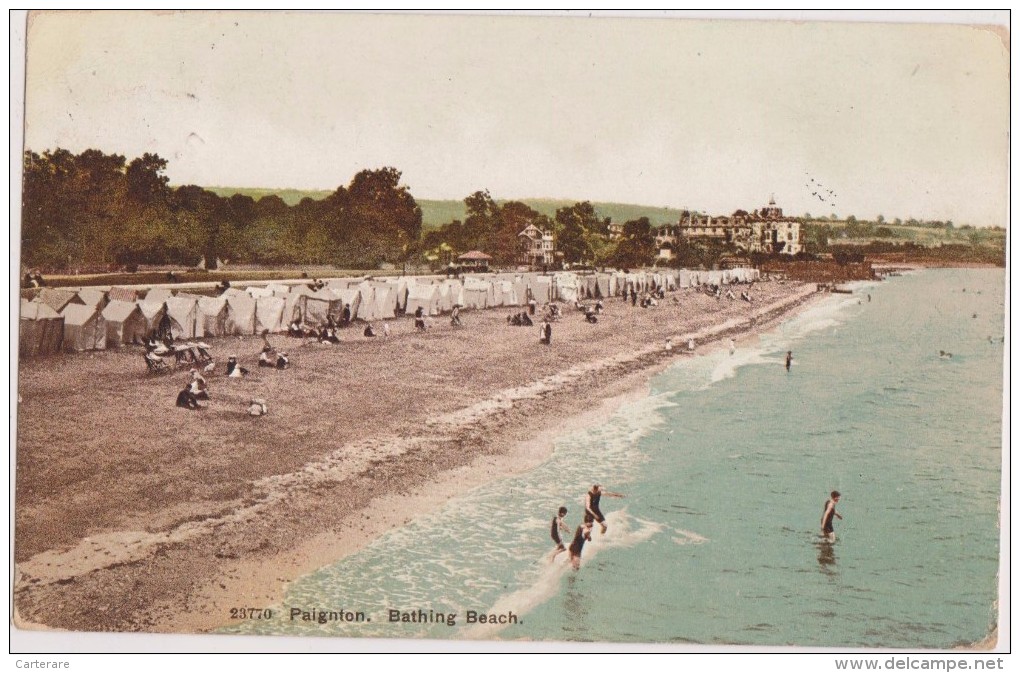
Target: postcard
x=501 y=331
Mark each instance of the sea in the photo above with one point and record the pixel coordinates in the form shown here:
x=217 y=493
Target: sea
x=725 y=465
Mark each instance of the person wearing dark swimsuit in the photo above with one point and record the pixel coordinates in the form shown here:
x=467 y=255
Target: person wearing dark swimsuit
x=582 y=535
x=559 y=526
x=592 y=512
x=827 y=514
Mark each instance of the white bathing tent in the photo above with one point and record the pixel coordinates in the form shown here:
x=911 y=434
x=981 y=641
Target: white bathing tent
x=40 y=330
x=294 y=305
x=541 y=288
x=425 y=296
x=401 y=283
x=366 y=303
x=385 y=299
x=269 y=314
x=475 y=293
x=152 y=312
x=84 y=328
x=125 y=324
x=212 y=317
x=183 y=314
x=240 y=318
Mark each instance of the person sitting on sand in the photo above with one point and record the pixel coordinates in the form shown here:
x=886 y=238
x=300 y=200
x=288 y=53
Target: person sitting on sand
x=369 y=332
x=154 y=346
x=187 y=400
x=591 y=505
x=234 y=370
x=257 y=407
x=746 y=296
x=345 y=316
x=526 y=320
x=385 y=329
x=455 y=316
x=599 y=306
x=282 y=360
x=591 y=317
x=328 y=335
x=266 y=358
x=581 y=535
x=198 y=386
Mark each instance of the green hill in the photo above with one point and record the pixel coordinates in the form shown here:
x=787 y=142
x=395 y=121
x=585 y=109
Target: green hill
x=290 y=196
x=436 y=212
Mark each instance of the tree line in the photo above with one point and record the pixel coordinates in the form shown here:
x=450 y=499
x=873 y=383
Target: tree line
x=102 y=212
x=98 y=212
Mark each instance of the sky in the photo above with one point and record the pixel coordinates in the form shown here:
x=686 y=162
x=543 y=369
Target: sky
x=904 y=120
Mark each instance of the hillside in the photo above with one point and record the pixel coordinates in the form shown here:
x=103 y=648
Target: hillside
x=438 y=212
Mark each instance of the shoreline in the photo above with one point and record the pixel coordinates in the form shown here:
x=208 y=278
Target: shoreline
x=247 y=555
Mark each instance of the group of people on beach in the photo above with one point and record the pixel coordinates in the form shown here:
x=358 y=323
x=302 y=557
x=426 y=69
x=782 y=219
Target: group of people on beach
x=559 y=530
x=195 y=396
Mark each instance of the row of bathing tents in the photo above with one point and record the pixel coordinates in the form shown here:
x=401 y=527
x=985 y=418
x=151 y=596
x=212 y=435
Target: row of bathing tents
x=93 y=319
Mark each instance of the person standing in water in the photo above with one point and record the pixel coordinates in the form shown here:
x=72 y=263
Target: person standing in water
x=592 y=512
x=789 y=359
x=558 y=530
x=827 y=514
x=582 y=535
x=733 y=346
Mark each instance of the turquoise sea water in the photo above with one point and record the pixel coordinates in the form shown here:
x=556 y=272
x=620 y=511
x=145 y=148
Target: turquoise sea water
x=726 y=465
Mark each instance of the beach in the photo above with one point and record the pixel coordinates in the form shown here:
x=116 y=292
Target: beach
x=133 y=515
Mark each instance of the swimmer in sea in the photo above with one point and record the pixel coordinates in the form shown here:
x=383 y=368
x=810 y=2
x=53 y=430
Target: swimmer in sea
x=592 y=512
x=582 y=535
x=789 y=359
x=827 y=513
x=557 y=530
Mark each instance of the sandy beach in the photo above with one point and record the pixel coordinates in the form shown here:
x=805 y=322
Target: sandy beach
x=133 y=515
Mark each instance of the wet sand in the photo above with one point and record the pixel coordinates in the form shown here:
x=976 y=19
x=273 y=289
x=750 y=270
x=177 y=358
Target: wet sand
x=133 y=515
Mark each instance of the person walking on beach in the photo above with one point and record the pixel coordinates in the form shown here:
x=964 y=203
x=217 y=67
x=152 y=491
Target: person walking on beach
x=545 y=333
x=581 y=535
x=592 y=512
x=789 y=359
x=827 y=513
x=559 y=529
x=733 y=346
